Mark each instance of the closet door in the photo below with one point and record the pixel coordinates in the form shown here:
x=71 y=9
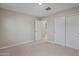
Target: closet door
x=60 y=30
x=72 y=31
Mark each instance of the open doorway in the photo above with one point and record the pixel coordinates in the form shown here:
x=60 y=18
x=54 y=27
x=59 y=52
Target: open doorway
x=40 y=29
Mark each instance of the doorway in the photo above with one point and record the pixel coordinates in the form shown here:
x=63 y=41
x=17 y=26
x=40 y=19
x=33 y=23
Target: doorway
x=40 y=29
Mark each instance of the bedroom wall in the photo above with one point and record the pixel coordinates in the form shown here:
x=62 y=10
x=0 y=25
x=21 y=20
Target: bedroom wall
x=57 y=25
x=15 y=28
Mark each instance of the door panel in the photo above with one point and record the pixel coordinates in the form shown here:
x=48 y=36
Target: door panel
x=60 y=30
x=72 y=31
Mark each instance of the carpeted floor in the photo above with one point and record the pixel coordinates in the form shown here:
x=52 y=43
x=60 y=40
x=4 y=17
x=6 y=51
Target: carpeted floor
x=39 y=49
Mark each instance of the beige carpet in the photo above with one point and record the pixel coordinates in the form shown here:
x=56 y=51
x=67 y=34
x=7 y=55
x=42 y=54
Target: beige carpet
x=39 y=49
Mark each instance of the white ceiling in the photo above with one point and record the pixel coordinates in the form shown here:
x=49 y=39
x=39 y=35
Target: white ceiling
x=35 y=9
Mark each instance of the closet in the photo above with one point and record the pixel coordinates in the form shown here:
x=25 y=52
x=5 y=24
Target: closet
x=67 y=31
x=60 y=30
x=72 y=31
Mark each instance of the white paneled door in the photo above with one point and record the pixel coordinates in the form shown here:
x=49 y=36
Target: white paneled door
x=60 y=30
x=72 y=31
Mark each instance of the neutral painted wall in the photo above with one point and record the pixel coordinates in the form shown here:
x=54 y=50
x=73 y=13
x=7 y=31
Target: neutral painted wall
x=15 y=28
x=55 y=26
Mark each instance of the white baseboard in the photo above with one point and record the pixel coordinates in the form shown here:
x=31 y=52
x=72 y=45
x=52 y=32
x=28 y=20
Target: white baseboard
x=62 y=45
x=54 y=43
x=15 y=45
x=33 y=42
